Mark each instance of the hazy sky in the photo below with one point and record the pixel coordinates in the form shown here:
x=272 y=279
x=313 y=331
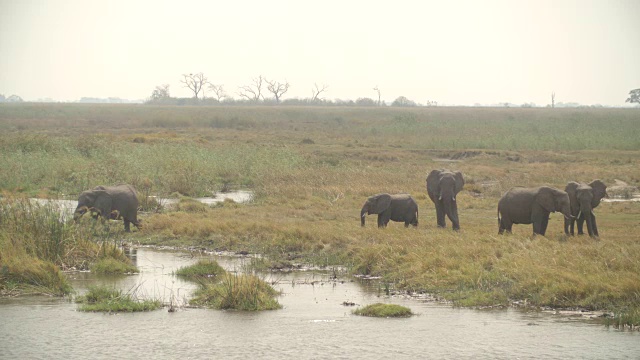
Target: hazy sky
x=453 y=52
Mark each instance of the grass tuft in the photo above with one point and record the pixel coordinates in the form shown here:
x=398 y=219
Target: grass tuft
x=205 y=268
x=383 y=310
x=237 y=292
x=105 y=299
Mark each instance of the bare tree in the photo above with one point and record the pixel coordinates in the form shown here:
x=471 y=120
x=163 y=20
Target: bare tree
x=194 y=82
x=316 y=91
x=553 y=99
x=218 y=91
x=277 y=89
x=378 y=91
x=252 y=92
x=160 y=92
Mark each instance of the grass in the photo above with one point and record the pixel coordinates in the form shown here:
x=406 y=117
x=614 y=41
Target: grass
x=112 y=266
x=308 y=193
x=105 y=299
x=36 y=243
x=204 y=268
x=244 y=292
x=384 y=311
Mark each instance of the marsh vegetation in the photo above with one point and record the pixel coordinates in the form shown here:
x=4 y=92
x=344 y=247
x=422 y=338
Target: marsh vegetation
x=311 y=170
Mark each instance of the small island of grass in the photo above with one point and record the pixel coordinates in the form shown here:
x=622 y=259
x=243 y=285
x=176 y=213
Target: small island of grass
x=105 y=299
x=384 y=310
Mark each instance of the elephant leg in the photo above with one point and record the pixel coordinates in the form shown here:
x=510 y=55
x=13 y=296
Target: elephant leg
x=543 y=225
x=580 y=222
x=440 y=215
x=455 y=222
x=380 y=221
x=127 y=226
x=505 y=225
x=568 y=226
x=595 y=226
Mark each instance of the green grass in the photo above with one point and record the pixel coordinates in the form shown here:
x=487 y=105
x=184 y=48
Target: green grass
x=105 y=299
x=384 y=311
x=243 y=292
x=204 y=268
x=111 y=266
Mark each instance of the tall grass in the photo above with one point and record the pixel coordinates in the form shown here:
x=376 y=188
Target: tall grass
x=36 y=241
x=243 y=292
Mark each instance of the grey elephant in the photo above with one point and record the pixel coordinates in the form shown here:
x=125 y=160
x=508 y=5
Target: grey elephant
x=584 y=198
x=522 y=205
x=442 y=187
x=108 y=202
x=398 y=207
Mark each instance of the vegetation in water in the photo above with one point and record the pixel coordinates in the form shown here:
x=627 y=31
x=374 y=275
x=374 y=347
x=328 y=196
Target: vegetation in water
x=308 y=193
x=112 y=266
x=244 y=292
x=204 y=268
x=105 y=299
x=383 y=310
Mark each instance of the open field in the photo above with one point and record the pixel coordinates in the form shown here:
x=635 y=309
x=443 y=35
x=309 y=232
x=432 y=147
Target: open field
x=312 y=168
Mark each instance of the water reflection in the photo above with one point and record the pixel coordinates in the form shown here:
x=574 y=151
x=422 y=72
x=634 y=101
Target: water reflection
x=312 y=324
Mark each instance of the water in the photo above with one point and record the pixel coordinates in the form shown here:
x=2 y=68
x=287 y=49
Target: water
x=313 y=324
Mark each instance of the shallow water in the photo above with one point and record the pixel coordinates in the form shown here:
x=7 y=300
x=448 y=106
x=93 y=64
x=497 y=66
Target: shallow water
x=312 y=324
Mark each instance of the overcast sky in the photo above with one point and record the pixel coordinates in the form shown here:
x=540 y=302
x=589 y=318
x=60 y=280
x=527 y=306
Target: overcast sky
x=453 y=52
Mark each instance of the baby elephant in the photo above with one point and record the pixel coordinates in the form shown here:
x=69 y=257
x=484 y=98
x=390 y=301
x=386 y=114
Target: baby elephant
x=531 y=206
x=399 y=207
x=110 y=202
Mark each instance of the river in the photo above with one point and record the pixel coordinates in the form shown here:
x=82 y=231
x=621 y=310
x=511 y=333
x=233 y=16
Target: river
x=313 y=324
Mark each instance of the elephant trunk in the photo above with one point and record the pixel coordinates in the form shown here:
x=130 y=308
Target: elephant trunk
x=363 y=215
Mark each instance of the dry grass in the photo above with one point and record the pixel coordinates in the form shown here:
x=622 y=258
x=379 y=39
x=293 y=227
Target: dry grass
x=312 y=168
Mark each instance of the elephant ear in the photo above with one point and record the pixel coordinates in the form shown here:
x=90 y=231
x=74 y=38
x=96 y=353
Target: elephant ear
x=459 y=181
x=546 y=199
x=103 y=202
x=599 y=191
x=433 y=184
x=571 y=189
x=382 y=202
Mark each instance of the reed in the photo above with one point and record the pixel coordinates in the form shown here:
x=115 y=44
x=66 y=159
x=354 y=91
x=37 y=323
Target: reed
x=105 y=299
x=243 y=292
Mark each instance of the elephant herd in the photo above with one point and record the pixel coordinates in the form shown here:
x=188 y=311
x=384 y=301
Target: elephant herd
x=519 y=205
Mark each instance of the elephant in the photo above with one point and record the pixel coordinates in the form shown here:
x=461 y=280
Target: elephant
x=522 y=205
x=398 y=207
x=584 y=198
x=442 y=187
x=110 y=202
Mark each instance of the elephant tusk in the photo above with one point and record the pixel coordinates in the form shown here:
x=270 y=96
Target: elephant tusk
x=579 y=213
x=363 y=215
x=453 y=198
x=440 y=198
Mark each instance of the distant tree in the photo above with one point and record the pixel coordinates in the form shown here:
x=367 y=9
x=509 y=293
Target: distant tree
x=161 y=92
x=365 y=102
x=316 y=91
x=218 y=91
x=376 y=89
x=252 y=92
x=435 y=103
x=194 y=82
x=634 y=96
x=2 y=98
x=277 y=89
x=13 y=98
x=403 y=101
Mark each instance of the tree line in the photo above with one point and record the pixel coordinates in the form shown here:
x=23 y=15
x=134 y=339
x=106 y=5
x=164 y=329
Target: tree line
x=260 y=91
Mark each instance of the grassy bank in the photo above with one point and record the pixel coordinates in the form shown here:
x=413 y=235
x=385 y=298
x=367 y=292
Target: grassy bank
x=36 y=243
x=312 y=168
